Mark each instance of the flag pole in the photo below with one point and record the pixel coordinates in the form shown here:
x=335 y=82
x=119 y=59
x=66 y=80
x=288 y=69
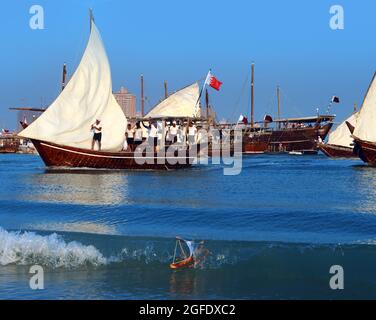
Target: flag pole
x=203 y=87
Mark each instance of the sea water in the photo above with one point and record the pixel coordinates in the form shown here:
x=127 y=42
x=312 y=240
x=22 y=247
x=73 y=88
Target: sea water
x=273 y=232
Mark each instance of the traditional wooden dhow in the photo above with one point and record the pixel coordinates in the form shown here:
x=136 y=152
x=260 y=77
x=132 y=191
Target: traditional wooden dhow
x=284 y=135
x=63 y=133
x=336 y=151
x=340 y=143
x=364 y=131
x=9 y=143
x=365 y=150
x=55 y=155
x=289 y=135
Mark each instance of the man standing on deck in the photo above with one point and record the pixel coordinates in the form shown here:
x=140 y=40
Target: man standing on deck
x=174 y=132
x=97 y=134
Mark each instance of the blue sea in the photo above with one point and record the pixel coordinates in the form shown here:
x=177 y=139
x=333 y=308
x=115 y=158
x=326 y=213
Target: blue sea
x=272 y=232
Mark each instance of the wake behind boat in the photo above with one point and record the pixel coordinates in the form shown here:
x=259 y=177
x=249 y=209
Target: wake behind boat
x=62 y=134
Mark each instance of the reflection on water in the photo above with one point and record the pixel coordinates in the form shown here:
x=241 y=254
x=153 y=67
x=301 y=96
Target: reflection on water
x=183 y=283
x=78 y=187
x=365 y=187
x=80 y=226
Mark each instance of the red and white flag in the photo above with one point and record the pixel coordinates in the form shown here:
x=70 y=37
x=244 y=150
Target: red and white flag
x=213 y=81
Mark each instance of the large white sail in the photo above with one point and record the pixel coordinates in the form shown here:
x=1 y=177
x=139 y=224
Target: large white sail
x=183 y=103
x=365 y=128
x=87 y=97
x=341 y=136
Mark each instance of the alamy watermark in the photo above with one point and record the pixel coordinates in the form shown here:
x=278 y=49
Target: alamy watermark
x=337 y=20
x=36 y=21
x=221 y=146
x=337 y=281
x=37 y=280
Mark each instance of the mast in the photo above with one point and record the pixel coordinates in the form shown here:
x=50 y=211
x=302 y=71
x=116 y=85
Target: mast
x=165 y=90
x=279 y=105
x=207 y=104
x=253 y=95
x=63 y=83
x=91 y=17
x=142 y=96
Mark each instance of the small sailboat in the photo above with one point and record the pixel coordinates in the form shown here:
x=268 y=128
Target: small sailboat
x=364 y=131
x=62 y=134
x=183 y=254
x=340 y=143
x=296 y=153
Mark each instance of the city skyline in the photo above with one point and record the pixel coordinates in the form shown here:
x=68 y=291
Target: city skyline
x=298 y=52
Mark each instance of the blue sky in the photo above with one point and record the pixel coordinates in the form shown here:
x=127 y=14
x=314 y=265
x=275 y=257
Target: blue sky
x=178 y=41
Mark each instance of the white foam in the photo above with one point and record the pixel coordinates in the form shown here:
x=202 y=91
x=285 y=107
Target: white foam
x=26 y=248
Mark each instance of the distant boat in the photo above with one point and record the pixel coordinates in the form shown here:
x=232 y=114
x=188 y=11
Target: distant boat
x=62 y=133
x=340 y=143
x=296 y=153
x=283 y=135
x=364 y=132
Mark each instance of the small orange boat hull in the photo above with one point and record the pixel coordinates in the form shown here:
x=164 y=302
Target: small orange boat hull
x=184 y=263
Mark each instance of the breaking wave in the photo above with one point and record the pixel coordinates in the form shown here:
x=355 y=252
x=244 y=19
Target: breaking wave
x=25 y=248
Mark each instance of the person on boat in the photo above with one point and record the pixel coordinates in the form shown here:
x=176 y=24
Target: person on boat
x=129 y=134
x=192 y=134
x=97 y=134
x=173 y=132
x=137 y=137
x=152 y=134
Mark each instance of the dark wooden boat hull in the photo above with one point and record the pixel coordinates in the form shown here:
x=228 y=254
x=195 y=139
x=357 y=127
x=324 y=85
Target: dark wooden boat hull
x=54 y=155
x=251 y=146
x=9 y=144
x=366 y=151
x=335 y=151
x=288 y=140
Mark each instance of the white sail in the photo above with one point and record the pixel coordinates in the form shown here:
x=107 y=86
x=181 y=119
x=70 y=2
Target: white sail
x=87 y=97
x=341 y=136
x=183 y=103
x=365 y=128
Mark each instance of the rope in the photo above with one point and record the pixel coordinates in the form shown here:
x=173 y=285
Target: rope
x=236 y=106
x=176 y=247
x=181 y=247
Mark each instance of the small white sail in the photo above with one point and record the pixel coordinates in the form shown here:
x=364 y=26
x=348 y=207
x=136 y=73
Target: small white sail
x=365 y=128
x=341 y=136
x=183 y=103
x=87 y=97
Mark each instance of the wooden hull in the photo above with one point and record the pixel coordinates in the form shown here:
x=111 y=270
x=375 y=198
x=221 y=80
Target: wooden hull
x=287 y=140
x=366 y=151
x=335 y=151
x=251 y=146
x=9 y=144
x=182 y=264
x=54 y=155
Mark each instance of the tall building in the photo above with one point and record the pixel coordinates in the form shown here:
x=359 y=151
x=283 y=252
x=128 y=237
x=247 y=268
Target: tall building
x=127 y=102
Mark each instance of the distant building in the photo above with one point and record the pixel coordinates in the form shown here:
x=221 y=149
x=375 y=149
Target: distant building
x=127 y=102
x=26 y=115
